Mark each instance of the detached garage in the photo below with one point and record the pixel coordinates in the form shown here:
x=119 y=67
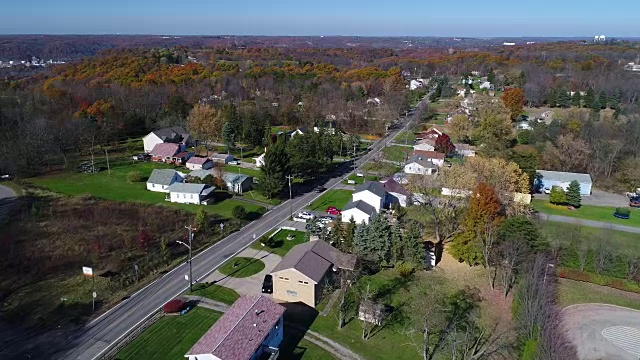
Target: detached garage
x=547 y=179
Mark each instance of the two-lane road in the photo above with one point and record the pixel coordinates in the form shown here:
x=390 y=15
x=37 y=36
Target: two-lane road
x=100 y=334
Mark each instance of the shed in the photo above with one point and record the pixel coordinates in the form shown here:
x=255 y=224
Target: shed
x=547 y=179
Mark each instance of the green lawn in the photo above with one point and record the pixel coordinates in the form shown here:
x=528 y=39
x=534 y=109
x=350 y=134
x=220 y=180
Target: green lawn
x=396 y=153
x=240 y=170
x=587 y=212
x=572 y=292
x=407 y=136
x=620 y=242
x=171 y=336
x=304 y=350
x=255 y=195
x=115 y=187
x=215 y=292
x=241 y=267
x=281 y=244
x=337 y=198
x=360 y=179
x=382 y=169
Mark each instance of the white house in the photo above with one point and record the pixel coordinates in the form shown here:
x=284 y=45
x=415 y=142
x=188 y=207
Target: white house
x=372 y=193
x=435 y=157
x=222 y=158
x=359 y=211
x=328 y=127
x=237 y=183
x=189 y=193
x=425 y=145
x=523 y=125
x=199 y=163
x=548 y=179
x=374 y=101
x=161 y=179
x=420 y=166
x=298 y=131
x=465 y=149
x=259 y=161
x=415 y=84
x=176 y=135
x=396 y=193
x=486 y=86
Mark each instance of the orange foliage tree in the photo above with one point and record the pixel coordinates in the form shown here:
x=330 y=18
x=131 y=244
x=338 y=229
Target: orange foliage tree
x=513 y=99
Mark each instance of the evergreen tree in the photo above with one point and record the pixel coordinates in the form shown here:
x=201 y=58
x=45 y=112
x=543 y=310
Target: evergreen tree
x=564 y=99
x=230 y=115
x=602 y=100
x=573 y=194
x=349 y=234
x=228 y=133
x=557 y=195
x=274 y=170
x=414 y=250
x=397 y=246
x=589 y=98
x=373 y=241
x=576 y=99
x=337 y=234
x=520 y=227
x=491 y=76
x=552 y=97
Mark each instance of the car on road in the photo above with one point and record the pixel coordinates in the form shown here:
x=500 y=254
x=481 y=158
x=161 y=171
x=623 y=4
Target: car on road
x=320 y=189
x=332 y=210
x=306 y=215
x=234 y=162
x=267 y=284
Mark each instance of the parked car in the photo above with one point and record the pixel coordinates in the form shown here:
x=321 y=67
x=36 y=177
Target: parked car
x=234 y=162
x=306 y=215
x=320 y=189
x=267 y=284
x=141 y=157
x=547 y=190
x=326 y=219
x=5 y=177
x=332 y=210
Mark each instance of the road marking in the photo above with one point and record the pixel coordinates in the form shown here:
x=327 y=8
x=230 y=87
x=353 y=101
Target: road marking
x=624 y=337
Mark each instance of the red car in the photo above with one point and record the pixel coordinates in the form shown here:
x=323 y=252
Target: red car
x=332 y=210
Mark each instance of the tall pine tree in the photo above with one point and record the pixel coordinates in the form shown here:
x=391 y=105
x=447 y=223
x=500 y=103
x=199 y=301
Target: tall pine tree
x=573 y=194
x=589 y=98
x=274 y=170
x=414 y=250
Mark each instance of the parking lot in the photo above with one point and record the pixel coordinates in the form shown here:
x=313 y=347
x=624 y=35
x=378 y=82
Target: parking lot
x=602 y=331
x=597 y=198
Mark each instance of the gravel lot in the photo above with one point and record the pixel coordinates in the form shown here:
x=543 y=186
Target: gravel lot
x=602 y=331
x=597 y=198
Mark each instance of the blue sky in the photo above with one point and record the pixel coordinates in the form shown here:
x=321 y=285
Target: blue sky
x=470 y=18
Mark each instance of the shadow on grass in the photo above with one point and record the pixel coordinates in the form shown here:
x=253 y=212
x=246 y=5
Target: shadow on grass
x=298 y=318
x=253 y=215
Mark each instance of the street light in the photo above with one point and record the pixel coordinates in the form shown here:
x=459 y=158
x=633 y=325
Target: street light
x=546 y=268
x=191 y=230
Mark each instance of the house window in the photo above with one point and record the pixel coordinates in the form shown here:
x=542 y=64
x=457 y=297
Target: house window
x=283 y=278
x=303 y=282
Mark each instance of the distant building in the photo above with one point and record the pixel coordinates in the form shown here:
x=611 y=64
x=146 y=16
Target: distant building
x=548 y=179
x=189 y=193
x=175 y=135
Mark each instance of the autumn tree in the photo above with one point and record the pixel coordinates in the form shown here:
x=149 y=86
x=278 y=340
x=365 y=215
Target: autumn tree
x=513 y=99
x=482 y=215
x=461 y=128
x=444 y=145
x=567 y=154
x=206 y=123
x=494 y=129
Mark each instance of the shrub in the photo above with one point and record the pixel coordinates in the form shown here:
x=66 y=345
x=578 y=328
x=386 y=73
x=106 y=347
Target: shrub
x=239 y=212
x=623 y=211
x=173 y=306
x=201 y=219
x=404 y=269
x=134 y=176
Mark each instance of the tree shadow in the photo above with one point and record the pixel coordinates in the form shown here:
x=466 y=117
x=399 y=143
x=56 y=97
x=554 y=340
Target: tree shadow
x=252 y=215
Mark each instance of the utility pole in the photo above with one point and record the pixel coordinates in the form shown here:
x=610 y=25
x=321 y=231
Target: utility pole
x=191 y=230
x=107 y=155
x=546 y=268
x=289 y=177
x=354 y=157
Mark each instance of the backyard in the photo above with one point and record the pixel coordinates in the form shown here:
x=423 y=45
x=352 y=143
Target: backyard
x=115 y=186
x=587 y=212
x=279 y=243
x=335 y=197
x=380 y=168
x=360 y=179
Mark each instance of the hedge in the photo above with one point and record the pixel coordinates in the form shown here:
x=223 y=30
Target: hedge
x=603 y=280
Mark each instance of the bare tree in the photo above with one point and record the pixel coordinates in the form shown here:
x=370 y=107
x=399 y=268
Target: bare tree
x=633 y=266
x=510 y=254
x=602 y=257
x=488 y=237
x=582 y=250
x=366 y=295
x=347 y=279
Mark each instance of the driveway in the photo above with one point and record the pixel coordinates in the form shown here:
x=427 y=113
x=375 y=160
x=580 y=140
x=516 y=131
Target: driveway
x=251 y=285
x=591 y=223
x=597 y=198
x=602 y=331
x=7 y=200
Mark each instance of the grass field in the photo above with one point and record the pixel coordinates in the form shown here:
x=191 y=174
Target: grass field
x=115 y=187
x=396 y=153
x=337 y=198
x=282 y=245
x=407 y=136
x=215 y=292
x=588 y=212
x=240 y=170
x=305 y=350
x=241 y=267
x=359 y=179
x=620 y=242
x=171 y=336
x=572 y=292
x=381 y=168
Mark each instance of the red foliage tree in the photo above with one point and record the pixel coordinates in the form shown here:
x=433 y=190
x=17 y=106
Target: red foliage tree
x=173 y=306
x=444 y=145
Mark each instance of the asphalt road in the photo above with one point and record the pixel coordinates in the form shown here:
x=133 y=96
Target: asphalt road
x=100 y=334
x=591 y=223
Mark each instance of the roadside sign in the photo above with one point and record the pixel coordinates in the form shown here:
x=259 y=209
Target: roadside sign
x=95 y=294
x=87 y=271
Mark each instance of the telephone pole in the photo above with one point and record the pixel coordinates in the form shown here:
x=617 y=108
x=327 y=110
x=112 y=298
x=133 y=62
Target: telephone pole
x=191 y=230
x=289 y=177
x=354 y=157
x=107 y=155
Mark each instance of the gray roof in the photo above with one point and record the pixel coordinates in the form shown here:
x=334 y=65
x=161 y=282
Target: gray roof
x=360 y=205
x=564 y=176
x=176 y=133
x=220 y=156
x=373 y=186
x=161 y=176
x=421 y=160
x=200 y=173
x=188 y=188
x=234 y=178
x=314 y=258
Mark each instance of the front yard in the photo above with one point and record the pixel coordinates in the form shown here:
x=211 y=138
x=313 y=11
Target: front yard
x=588 y=212
x=215 y=292
x=360 y=179
x=280 y=245
x=241 y=267
x=396 y=153
x=337 y=198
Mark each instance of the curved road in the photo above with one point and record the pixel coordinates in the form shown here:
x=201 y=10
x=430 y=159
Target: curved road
x=100 y=334
x=591 y=223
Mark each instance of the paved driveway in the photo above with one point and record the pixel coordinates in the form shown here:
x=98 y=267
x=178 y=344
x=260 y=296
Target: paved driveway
x=251 y=285
x=597 y=198
x=602 y=331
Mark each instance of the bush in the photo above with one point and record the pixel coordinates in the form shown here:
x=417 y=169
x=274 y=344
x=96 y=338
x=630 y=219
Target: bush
x=404 y=269
x=239 y=212
x=623 y=211
x=134 y=176
x=173 y=306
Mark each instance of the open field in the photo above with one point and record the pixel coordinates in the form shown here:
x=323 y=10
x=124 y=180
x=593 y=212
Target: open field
x=572 y=292
x=337 y=198
x=381 y=168
x=396 y=153
x=588 y=212
x=241 y=170
x=115 y=187
x=215 y=292
x=359 y=179
x=407 y=136
x=281 y=245
x=171 y=336
x=620 y=242
x=241 y=267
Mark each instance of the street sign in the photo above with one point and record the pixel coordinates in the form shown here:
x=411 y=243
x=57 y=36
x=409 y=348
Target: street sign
x=95 y=294
x=87 y=271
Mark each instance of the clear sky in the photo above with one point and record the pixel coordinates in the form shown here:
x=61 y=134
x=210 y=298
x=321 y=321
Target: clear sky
x=470 y=18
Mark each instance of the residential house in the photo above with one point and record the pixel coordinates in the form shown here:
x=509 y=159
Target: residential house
x=259 y=160
x=374 y=101
x=237 y=183
x=420 y=166
x=298 y=131
x=185 y=193
x=222 y=158
x=415 y=84
x=359 y=211
x=180 y=158
x=523 y=125
x=425 y=144
x=328 y=127
x=176 y=135
x=434 y=156
x=396 y=193
x=161 y=179
x=306 y=269
x=252 y=327
x=164 y=152
x=486 y=86
x=432 y=134
x=372 y=193
x=465 y=149
x=548 y=179
x=199 y=163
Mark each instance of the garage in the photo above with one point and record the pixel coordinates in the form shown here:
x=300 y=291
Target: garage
x=548 y=179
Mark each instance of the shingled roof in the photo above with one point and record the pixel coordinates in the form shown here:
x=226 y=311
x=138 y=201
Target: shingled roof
x=165 y=149
x=172 y=134
x=241 y=330
x=393 y=186
x=162 y=176
x=314 y=258
x=372 y=186
x=360 y=205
